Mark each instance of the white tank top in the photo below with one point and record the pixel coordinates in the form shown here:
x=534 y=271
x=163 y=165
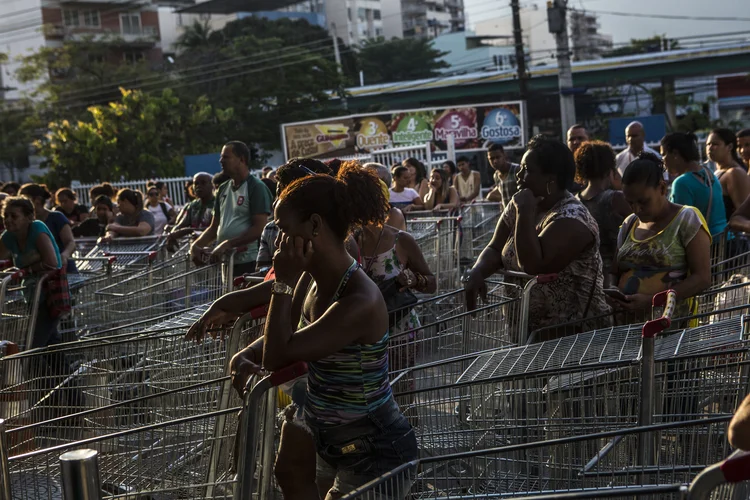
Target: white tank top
x=465 y=187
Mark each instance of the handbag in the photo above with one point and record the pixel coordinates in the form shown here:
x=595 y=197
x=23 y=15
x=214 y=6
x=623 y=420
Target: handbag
x=397 y=301
x=57 y=293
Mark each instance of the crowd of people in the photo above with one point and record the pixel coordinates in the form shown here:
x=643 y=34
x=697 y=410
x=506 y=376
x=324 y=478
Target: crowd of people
x=641 y=222
x=330 y=240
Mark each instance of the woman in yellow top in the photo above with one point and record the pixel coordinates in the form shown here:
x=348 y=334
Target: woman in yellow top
x=661 y=246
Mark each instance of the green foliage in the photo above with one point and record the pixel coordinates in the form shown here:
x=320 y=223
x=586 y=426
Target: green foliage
x=269 y=72
x=643 y=46
x=17 y=124
x=241 y=82
x=78 y=74
x=399 y=60
x=139 y=136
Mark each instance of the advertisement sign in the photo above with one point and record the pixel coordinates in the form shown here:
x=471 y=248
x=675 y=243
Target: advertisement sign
x=474 y=127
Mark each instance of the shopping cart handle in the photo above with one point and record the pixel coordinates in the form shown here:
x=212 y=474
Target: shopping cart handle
x=153 y=255
x=546 y=278
x=111 y=259
x=737 y=467
x=668 y=299
x=259 y=312
x=289 y=373
x=19 y=274
x=5 y=263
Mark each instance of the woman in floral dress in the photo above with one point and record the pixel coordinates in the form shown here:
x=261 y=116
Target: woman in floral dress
x=546 y=230
x=388 y=253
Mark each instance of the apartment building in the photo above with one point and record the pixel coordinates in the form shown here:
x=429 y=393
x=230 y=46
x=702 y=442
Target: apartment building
x=130 y=27
x=353 y=21
x=586 y=42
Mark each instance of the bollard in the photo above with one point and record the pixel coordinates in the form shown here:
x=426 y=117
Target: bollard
x=80 y=475
x=4 y=468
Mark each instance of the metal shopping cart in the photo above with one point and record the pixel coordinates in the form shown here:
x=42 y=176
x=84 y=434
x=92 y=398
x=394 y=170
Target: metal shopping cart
x=573 y=385
x=478 y=222
x=190 y=457
x=726 y=480
x=553 y=469
x=438 y=238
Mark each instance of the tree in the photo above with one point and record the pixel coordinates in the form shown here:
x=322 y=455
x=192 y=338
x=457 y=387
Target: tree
x=138 y=137
x=17 y=125
x=644 y=46
x=75 y=75
x=269 y=72
x=195 y=36
x=399 y=60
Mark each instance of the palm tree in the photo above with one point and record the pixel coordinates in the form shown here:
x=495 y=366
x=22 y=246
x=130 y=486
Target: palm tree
x=195 y=36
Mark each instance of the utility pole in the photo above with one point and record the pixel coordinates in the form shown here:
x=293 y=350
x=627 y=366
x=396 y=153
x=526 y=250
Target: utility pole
x=558 y=25
x=337 y=56
x=520 y=53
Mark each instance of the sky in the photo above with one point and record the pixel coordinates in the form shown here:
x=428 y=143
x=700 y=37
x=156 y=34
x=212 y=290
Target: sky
x=623 y=29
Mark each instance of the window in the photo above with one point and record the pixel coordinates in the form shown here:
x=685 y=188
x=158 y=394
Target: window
x=349 y=13
x=130 y=24
x=96 y=58
x=362 y=14
x=132 y=56
x=378 y=32
x=91 y=18
x=376 y=14
x=71 y=18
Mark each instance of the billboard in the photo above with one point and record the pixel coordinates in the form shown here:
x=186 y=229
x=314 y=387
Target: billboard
x=474 y=127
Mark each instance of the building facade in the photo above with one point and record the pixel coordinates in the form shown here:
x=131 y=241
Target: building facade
x=583 y=31
x=131 y=28
x=585 y=40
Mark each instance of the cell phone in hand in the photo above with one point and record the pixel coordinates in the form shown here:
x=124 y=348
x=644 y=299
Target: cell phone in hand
x=615 y=294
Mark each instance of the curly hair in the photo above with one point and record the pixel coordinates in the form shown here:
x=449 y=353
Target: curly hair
x=352 y=198
x=594 y=160
x=296 y=168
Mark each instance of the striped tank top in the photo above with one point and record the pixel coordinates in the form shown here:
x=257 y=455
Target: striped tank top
x=349 y=384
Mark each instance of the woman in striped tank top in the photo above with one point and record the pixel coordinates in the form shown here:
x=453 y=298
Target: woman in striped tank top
x=341 y=324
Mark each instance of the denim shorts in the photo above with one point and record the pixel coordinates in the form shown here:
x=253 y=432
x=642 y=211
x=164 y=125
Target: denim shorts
x=353 y=454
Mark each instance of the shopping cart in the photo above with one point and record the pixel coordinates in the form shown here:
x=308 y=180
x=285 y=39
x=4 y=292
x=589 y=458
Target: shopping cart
x=150 y=294
x=726 y=480
x=20 y=300
x=439 y=240
x=478 y=221
x=573 y=385
x=555 y=469
x=447 y=329
x=190 y=457
x=61 y=381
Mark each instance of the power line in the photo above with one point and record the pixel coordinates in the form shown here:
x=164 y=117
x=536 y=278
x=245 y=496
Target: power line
x=668 y=16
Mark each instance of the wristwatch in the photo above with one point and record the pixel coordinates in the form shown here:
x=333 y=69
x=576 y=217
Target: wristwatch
x=283 y=288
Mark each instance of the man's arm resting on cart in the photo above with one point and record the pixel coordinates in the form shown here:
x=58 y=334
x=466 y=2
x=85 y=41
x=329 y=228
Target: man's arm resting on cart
x=739 y=427
x=250 y=235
